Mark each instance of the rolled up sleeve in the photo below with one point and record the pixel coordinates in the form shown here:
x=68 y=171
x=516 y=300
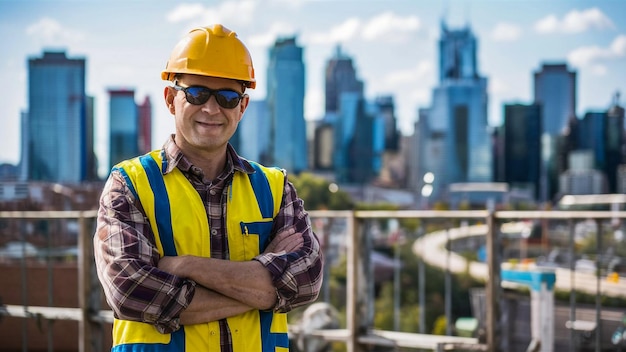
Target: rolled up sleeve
x=297 y=274
x=126 y=261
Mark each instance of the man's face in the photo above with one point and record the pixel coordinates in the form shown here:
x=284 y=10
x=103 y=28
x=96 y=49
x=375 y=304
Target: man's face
x=206 y=127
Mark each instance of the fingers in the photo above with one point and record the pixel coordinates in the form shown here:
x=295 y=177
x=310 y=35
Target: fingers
x=285 y=241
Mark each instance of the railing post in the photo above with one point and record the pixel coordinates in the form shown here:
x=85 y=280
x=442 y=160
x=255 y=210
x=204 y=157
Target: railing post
x=572 y=278
x=598 y=342
x=357 y=300
x=493 y=286
x=421 y=271
x=85 y=246
x=352 y=285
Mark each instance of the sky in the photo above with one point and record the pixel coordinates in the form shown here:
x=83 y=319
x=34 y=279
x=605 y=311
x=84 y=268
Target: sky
x=393 y=44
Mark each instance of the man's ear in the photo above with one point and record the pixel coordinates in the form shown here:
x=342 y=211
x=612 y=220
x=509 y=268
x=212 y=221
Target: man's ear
x=243 y=105
x=245 y=100
x=168 y=94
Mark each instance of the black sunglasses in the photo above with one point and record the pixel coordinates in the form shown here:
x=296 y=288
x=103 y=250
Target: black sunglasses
x=198 y=95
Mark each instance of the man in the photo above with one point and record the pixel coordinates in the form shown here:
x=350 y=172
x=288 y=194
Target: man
x=198 y=249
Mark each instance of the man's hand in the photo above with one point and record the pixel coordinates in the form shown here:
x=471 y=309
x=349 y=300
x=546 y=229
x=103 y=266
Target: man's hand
x=286 y=241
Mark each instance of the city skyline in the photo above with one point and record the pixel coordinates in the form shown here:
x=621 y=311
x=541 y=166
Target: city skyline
x=589 y=37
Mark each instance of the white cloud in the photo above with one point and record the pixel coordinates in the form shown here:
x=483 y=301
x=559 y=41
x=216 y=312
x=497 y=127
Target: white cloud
x=618 y=47
x=506 y=32
x=548 y=24
x=266 y=39
x=51 y=32
x=589 y=55
x=598 y=70
x=423 y=71
x=574 y=22
x=389 y=25
x=227 y=12
x=185 y=12
x=386 y=26
x=341 y=33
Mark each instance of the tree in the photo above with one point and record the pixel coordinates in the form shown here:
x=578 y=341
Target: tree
x=319 y=194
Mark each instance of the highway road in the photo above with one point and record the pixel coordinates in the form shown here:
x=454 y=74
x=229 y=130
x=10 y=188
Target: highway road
x=431 y=247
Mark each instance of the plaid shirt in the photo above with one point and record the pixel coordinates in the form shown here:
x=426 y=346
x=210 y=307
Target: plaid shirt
x=127 y=257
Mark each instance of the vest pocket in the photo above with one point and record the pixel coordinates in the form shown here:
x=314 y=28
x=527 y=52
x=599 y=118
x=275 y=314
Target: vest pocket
x=255 y=237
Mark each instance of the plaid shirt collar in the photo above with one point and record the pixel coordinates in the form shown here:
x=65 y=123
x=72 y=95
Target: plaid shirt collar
x=174 y=157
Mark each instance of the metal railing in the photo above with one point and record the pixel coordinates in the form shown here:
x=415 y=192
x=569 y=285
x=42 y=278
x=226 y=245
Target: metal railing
x=359 y=330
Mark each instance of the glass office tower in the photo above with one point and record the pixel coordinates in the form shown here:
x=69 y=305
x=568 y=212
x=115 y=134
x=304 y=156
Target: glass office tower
x=285 y=101
x=56 y=131
x=455 y=144
x=123 y=125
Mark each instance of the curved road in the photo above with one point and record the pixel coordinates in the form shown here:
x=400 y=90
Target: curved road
x=431 y=247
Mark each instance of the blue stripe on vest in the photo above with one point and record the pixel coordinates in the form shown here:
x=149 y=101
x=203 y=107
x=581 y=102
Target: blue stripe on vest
x=270 y=339
x=264 y=198
x=177 y=344
x=129 y=183
x=166 y=234
x=263 y=194
x=262 y=191
x=161 y=204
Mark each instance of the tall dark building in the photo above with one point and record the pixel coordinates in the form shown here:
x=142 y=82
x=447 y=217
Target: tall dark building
x=340 y=78
x=385 y=107
x=361 y=167
x=520 y=160
x=615 y=144
x=336 y=136
x=123 y=125
x=145 y=126
x=285 y=103
x=57 y=132
x=555 y=92
x=603 y=134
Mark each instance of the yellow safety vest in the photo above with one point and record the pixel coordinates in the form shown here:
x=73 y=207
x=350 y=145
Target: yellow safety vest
x=180 y=225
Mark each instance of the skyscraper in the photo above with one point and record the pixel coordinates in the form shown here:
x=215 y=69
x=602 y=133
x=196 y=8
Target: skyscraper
x=252 y=135
x=520 y=161
x=455 y=144
x=602 y=134
x=285 y=100
x=57 y=131
x=340 y=78
x=334 y=132
x=123 y=125
x=615 y=143
x=555 y=92
x=145 y=126
x=385 y=110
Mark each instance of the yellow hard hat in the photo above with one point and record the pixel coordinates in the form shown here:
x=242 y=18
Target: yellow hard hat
x=211 y=51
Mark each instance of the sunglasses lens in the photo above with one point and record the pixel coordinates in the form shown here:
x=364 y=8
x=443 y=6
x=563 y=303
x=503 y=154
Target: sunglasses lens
x=227 y=98
x=197 y=95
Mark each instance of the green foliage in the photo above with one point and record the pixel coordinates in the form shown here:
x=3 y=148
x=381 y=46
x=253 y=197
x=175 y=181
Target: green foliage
x=590 y=299
x=589 y=245
x=383 y=319
x=384 y=308
x=434 y=295
x=316 y=194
